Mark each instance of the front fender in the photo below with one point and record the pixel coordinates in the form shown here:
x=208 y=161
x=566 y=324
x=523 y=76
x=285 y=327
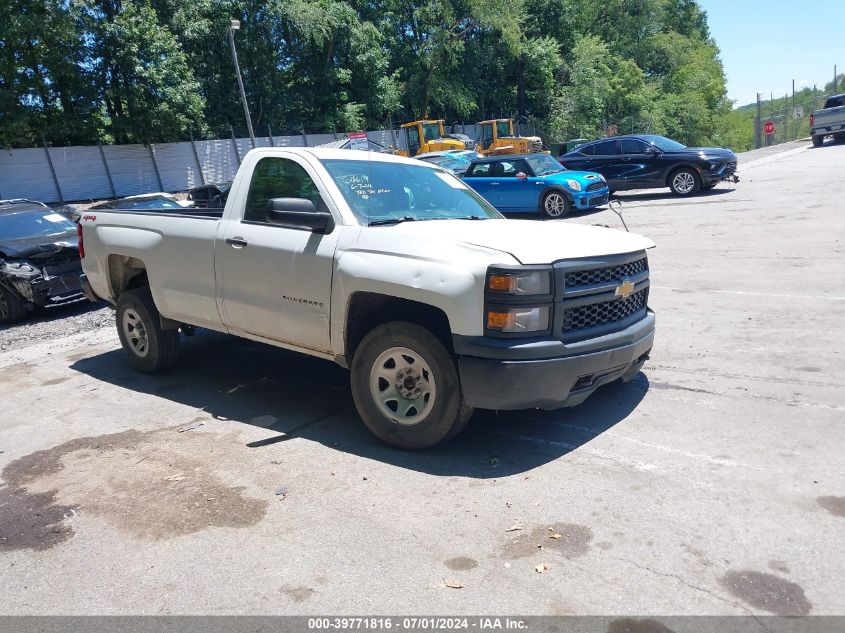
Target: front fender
x=457 y=291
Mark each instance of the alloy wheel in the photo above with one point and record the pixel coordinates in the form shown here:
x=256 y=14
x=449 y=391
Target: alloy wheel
x=683 y=182
x=554 y=205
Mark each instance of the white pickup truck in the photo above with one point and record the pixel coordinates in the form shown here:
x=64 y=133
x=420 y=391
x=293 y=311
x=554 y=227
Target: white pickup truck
x=388 y=266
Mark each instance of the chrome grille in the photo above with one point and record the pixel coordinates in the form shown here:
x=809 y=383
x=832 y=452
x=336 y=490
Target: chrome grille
x=579 y=278
x=595 y=186
x=587 y=316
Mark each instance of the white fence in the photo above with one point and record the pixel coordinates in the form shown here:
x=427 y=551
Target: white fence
x=77 y=173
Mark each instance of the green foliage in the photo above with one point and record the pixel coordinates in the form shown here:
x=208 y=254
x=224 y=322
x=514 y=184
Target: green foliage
x=81 y=71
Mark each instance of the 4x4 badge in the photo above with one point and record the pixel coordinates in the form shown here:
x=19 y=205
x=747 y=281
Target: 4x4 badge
x=625 y=290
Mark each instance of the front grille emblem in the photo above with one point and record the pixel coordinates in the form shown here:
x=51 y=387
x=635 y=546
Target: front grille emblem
x=625 y=290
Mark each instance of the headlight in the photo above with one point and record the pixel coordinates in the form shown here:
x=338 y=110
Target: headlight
x=534 y=282
x=574 y=185
x=518 y=301
x=516 y=320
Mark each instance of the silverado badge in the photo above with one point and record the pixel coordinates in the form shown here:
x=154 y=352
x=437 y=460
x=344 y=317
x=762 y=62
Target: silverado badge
x=625 y=290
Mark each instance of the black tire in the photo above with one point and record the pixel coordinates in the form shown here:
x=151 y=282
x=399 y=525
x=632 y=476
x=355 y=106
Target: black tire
x=461 y=422
x=818 y=140
x=153 y=349
x=11 y=306
x=554 y=204
x=839 y=137
x=684 y=182
x=431 y=364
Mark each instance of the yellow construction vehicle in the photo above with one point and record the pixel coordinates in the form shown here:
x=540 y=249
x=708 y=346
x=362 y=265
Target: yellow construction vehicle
x=427 y=136
x=497 y=137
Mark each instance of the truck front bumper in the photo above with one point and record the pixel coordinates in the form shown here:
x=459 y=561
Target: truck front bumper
x=550 y=383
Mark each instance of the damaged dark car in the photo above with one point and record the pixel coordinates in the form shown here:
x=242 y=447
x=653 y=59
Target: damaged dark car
x=39 y=260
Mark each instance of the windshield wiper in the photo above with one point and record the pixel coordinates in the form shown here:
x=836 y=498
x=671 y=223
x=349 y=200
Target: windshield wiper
x=386 y=221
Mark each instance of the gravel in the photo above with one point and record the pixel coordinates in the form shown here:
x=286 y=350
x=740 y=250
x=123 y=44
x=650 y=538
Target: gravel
x=54 y=323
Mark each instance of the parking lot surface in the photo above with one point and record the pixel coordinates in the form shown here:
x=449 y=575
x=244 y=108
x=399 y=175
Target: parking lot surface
x=242 y=481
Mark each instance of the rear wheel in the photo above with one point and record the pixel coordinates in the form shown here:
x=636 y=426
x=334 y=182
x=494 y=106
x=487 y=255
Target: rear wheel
x=818 y=140
x=555 y=204
x=406 y=388
x=11 y=306
x=684 y=182
x=149 y=347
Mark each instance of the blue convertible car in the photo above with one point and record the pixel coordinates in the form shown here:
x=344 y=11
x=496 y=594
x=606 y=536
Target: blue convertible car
x=535 y=183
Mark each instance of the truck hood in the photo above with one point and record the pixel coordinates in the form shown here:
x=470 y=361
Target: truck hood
x=528 y=241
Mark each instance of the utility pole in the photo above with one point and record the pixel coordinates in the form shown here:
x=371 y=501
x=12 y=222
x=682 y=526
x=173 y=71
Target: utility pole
x=834 y=79
x=757 y=124
x=793 y=109
x=235 y=25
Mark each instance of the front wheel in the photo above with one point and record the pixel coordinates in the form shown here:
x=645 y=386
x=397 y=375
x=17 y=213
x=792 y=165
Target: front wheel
x=406 y=388
x=685 y=182
x=555 y=204
x=149 y=347
x=11 y=306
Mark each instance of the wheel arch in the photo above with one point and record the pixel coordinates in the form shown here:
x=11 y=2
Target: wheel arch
x=549 y=189
x=674 y=168
x=124 y=273
x=367 y=310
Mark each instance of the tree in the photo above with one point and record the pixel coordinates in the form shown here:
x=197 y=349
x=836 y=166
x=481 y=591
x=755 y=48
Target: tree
x=143 y=77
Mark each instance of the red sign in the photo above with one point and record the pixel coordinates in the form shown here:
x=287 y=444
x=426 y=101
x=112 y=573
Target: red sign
x=769 y=127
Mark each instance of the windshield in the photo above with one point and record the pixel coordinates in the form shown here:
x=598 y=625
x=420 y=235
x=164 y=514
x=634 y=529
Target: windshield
x=383 y=191
x=15 y=226
x=543 y=165
x=455 y=163
x=503 y=128
x=666 y=144
x=431 y=131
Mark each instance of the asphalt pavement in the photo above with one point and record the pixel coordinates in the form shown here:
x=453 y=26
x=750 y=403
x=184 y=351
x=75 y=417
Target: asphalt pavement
x=243 y=482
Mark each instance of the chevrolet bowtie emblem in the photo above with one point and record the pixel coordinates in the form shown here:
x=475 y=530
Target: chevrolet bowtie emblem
x=625 y=290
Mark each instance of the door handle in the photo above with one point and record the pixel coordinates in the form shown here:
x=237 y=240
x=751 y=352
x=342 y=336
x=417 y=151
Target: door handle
x=236 y=242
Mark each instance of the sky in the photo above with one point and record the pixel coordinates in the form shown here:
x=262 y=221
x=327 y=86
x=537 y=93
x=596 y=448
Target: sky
x=765 y=44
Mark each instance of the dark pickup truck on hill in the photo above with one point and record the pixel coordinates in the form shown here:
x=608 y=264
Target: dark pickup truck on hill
x=829 y=120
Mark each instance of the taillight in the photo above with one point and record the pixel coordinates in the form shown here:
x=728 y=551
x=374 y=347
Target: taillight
x=79 y=239
x=811 y=119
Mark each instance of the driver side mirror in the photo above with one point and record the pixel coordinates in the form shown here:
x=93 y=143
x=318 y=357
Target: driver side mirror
x=299 y=213
x=652 y=150
x=522 y=175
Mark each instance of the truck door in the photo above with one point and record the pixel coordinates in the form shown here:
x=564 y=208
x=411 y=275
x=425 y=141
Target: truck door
x=486 y=138
x=412 y=136
x=275 y=281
